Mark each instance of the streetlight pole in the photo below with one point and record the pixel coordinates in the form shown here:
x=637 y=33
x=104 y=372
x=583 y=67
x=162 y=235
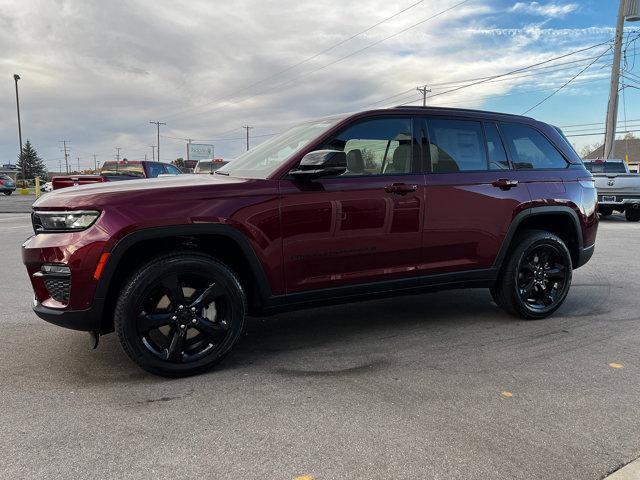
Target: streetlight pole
x=16 y=77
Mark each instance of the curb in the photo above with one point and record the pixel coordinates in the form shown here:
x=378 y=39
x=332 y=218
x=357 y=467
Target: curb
x=631 y=471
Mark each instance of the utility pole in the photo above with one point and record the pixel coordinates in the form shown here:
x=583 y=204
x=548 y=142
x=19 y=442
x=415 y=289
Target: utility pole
x=157 y=124
x=153 y=152
x=424 y=90
x=66 y=156
x=247 y=128
x=16 y=77
x=118 y=154
x=628 y=10
x=95 y=163
x=78 y=164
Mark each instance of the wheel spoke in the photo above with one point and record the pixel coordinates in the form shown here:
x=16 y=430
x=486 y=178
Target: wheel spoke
x=529 y=266
x=149 y=321
x=214 y=331
x=528 y=288
x=174 y=350
x=209 y=294
x=556 y=272
x=174 y=290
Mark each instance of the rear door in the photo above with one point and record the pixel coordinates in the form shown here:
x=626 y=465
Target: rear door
x=472 y=194
x=364 y=225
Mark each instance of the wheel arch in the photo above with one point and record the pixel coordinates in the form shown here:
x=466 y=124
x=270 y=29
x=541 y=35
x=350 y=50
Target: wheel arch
x=560 y=220
x=223 y=242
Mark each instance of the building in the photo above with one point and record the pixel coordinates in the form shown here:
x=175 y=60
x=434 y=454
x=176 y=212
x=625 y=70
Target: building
x=628 y=149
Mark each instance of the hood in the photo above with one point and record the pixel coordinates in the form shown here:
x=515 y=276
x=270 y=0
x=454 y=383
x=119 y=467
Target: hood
x=185 y=187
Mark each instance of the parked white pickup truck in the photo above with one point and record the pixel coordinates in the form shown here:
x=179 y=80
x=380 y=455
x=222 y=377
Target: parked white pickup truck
x=618 y=190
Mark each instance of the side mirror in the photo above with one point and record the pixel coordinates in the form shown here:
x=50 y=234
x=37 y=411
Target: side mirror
x=321 y=163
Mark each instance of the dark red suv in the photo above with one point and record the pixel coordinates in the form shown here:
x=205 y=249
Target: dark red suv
x=378 y=203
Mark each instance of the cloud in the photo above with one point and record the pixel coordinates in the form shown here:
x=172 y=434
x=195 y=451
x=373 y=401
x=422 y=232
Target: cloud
x=95 y=73
x=551 y=10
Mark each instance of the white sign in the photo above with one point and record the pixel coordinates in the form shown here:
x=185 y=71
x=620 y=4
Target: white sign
x=200 y=151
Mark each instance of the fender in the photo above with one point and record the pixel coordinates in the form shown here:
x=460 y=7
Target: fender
x=116 y=253
x=571 y=215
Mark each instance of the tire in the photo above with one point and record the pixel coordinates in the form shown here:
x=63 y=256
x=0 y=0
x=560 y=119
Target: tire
x=158 y=335
x=525 y=287
x=605 y=212
x=7 y=192
x=632 y=215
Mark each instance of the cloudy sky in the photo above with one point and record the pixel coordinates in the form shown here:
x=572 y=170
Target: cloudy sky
x=95 y=73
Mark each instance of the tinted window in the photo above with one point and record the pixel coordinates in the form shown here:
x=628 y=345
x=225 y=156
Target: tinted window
x=173 y=170
x=530 y=149
x=155 y=169
x=377 y=147
x=495 y=148
x=456 y=145
x=605 y=167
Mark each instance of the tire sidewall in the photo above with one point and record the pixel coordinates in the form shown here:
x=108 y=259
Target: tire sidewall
x=140 y=284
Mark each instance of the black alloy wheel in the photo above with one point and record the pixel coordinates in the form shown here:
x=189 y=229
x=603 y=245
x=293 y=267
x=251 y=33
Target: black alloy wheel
x=542 y=277
x=180 y=314
x=535 y=277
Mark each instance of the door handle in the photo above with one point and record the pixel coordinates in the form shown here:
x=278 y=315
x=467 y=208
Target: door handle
x=505 y=183
x=400 y=188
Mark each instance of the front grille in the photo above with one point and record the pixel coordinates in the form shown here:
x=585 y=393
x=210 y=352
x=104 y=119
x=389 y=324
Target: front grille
x=58 y=288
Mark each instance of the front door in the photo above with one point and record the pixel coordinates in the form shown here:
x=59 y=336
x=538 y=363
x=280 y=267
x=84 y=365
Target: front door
x=362 y=226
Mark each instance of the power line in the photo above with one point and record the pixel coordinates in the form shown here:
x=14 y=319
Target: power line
x=366 y=47
x=291 y=67
x=564 y=84
x=519 y=69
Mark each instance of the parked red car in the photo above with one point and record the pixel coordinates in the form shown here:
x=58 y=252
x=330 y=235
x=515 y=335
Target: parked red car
x=379 y=203
x=113 y=171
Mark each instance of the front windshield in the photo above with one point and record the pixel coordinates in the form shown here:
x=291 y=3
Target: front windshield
x=261 y=161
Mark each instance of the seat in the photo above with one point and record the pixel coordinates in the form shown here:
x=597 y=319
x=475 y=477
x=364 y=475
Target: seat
x=355 y=162
x=401 y=162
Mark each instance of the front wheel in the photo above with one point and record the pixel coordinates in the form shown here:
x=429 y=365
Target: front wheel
x=605 y=211
x=536 y=276
x=180 y=314
x=8 y=192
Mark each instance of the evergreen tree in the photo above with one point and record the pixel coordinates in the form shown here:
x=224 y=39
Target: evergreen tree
x=33 y=164
x=179 y=162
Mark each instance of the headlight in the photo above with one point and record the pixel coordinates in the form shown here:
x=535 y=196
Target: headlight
x=63 y=221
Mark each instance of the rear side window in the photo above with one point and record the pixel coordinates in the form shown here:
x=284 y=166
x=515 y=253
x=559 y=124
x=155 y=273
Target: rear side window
x=495 y=148
x=530 y=149
x=456 y=146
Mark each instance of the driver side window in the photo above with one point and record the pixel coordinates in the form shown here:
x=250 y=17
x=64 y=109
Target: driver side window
x=382 y=146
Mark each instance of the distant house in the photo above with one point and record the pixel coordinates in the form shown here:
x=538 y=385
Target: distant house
x=621 y=148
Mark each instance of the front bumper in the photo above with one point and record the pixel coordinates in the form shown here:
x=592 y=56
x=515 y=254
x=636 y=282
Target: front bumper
x=84 y=320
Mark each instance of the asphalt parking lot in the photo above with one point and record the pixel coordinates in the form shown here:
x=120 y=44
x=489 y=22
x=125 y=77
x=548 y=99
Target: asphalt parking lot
x=441 y=385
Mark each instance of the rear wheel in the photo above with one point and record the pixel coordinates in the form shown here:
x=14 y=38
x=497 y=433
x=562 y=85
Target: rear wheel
x=632 y=215
x=180 y=314
x=605 y=212
x=536 y=277
x=8 y=192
